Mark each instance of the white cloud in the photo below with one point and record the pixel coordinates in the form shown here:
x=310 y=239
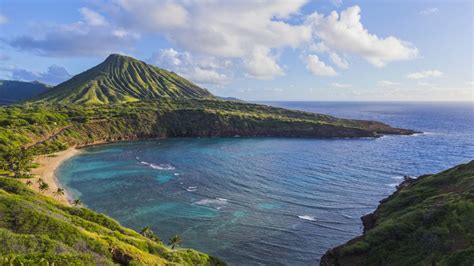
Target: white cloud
x=200 y=69
x=338 y=61
x=345 y=33
x=319 y=68
x=261 y=65
x=250 y=31
x=429 y=11
x=3 y=19
x=425 y=74
x=92 y=18
x=87 y=37
x=341 y=85
x=387 y=83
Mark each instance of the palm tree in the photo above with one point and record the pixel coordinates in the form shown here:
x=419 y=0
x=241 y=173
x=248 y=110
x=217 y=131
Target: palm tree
x=29 y=183
x=59 y=192
x=43 y=187
x=148 y=233
x=39 y=181
x=77 y=202
x=175 y=241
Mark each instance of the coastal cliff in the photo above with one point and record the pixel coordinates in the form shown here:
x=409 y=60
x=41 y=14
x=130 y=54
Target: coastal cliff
x=427 y=221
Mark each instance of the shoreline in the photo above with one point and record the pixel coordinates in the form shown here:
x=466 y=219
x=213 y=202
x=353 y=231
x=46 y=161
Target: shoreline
x=47 y=165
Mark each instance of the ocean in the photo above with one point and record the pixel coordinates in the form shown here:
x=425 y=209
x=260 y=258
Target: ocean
x=269 y=201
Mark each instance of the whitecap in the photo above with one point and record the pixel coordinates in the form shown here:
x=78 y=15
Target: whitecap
x=217 y=202
x=164 y=166
x=307 y=217
x=176 y=174
x=392 y=185
x=398 y=177
x=191 y=189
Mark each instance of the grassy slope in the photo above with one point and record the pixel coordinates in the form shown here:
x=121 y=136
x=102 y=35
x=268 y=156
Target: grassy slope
x=34 y=229
x=121 y=79
x=428 y=221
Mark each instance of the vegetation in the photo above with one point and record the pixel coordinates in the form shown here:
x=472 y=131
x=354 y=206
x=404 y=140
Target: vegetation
x=12 y=91
x=121 y=79
x=428 y=221
x=77 y=202
x=35 y=229
x=175 y=241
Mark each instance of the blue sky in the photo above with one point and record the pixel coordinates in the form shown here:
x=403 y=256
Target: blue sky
x=254 y=50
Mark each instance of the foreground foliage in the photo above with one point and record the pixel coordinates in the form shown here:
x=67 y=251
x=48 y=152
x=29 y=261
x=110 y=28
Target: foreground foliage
x=38 y=230
x=428 y=221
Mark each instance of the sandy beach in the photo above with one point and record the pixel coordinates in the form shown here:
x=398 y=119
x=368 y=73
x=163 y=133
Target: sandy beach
x=46 y=170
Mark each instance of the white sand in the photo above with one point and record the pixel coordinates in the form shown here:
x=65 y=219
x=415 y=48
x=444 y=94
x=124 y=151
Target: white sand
x=46 y=170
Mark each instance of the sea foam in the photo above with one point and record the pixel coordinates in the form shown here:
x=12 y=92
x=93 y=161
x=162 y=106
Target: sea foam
x=164 y=166
x=307 y=217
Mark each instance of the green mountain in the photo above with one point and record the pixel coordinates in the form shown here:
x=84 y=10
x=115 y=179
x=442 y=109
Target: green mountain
x=121 y=79
x=37 y=230
x=427 y=221
x=12 y=91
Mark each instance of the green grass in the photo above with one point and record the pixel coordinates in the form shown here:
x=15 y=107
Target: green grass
x=428 y=222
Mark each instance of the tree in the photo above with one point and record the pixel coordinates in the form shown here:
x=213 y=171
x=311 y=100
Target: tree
x=59 y=192
x=18 y=161
x=29 y=183
x=77 y=202
x=148 y=233
x=175 y=241
x=43 y=186
x=39 y=181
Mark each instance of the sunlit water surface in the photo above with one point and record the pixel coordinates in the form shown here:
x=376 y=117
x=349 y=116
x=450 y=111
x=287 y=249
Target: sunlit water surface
x=269 y=200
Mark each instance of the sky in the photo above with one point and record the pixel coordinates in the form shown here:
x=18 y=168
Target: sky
x=299 y=50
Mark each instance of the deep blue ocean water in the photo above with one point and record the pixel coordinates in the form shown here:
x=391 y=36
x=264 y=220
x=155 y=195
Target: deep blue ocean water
x=277 y=201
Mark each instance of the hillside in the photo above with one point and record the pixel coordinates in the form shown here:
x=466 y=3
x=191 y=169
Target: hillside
x=12 y=91
x=36 y=230
x=427 y=221
x=121 y=79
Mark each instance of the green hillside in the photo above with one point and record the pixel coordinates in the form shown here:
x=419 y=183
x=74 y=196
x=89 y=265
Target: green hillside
x=12 y=91
x=428 y=221
x=36 y=230
x=122 y=79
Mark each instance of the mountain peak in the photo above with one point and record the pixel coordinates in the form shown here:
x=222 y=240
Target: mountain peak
x=120 y=79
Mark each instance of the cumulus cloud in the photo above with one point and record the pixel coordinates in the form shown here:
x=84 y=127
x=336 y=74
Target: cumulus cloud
x=245 y=30
x=341 y=85
x=425 y=74
x=200 y=69
x=54 y=75
x=344 y=32
x=3 y=19
x=90 y=36
x=338 y=61
x=318 y=67
x=429 y=11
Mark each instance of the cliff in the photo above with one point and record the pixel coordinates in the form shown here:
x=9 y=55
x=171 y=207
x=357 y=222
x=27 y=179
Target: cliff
x=427 y=221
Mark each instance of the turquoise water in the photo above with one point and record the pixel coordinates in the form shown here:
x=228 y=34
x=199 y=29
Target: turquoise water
x=276 y=201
